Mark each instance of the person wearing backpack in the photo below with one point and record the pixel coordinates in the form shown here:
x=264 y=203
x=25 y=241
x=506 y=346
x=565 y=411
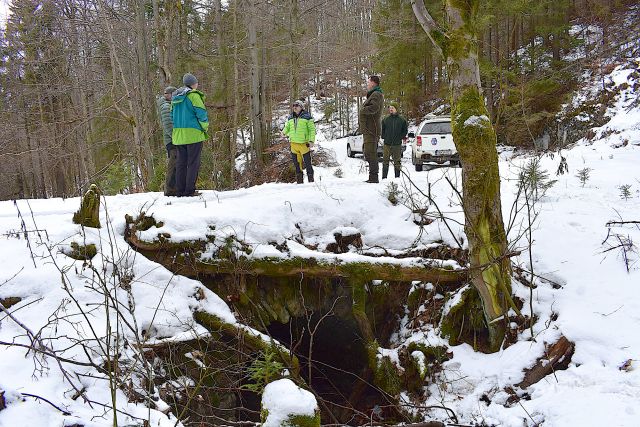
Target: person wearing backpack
x=394 y=131
x=164 y=113
x=190 y=125
x=301 y=132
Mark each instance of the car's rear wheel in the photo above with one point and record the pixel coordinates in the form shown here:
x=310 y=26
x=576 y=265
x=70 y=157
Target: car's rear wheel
x=417 y=164
x=349 y=152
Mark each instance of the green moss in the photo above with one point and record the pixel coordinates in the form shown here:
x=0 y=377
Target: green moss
x=144 y=222
x=437 y=354
x=465 y=322
x=254 y=342
x=385 y=372
x=295 y=420
x=304 y=420
x=82 y=252
x=89 y=213
x=477 y=147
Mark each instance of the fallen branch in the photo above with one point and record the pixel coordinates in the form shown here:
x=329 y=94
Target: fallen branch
x=557 y=357
x=610 y=223
x=47 y=401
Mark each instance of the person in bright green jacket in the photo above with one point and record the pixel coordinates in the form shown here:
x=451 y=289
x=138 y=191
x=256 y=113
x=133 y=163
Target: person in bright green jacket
x=190 y=125
x=302 y=134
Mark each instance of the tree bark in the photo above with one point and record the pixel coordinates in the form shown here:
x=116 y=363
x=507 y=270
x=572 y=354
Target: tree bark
x=475 y=140
x=256 y=85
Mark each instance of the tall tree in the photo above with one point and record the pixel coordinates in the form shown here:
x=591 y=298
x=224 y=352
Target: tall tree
x=475 y=140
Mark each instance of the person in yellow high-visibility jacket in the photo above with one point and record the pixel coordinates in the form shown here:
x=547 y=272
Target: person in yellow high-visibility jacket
x=301 y=132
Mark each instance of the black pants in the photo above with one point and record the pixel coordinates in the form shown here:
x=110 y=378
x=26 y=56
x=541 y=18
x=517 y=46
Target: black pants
x=187 y=168
x=170 y=180
x=306 y=158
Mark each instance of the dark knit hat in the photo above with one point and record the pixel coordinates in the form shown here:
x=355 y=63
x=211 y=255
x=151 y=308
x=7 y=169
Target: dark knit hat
x=189 y=79
x=169 y=89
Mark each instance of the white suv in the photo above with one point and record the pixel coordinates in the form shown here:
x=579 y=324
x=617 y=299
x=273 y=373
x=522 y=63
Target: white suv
x=434 y=143
x=355 y=144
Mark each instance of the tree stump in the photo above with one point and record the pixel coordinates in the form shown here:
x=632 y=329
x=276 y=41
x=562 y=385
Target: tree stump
x=89 y=213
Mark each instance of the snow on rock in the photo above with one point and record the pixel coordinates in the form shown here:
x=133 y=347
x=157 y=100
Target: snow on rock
x=283 y=399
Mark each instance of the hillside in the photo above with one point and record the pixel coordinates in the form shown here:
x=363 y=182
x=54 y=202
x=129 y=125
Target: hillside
x=584 y=271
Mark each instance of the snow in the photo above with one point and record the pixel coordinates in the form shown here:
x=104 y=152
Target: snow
x=282 y=398
x=596 y=299
x=477 y=121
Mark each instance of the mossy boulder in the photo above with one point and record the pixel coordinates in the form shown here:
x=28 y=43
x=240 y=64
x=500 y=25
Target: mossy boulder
x=82 y=252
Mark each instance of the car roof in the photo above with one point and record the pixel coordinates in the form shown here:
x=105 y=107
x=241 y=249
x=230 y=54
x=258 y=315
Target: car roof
x=439 y=119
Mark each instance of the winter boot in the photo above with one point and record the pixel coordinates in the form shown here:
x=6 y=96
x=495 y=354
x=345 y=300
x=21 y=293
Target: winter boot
x=397 y=171
x=310 y=178
x=299 y=178
x=385 y=171
x=373 y=179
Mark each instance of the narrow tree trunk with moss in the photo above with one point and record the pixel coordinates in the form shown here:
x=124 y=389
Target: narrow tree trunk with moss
x=475 y=141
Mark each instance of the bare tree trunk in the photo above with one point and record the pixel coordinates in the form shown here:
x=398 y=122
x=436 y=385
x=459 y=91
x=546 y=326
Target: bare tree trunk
x=162 y=29
x=294 y=40
x=256 y=86
x=142 y=169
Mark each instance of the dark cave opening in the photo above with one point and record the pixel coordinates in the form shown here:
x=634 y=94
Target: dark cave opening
x=339 y=373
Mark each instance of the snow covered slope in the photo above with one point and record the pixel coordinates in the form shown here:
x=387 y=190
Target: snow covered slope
x=597 y=305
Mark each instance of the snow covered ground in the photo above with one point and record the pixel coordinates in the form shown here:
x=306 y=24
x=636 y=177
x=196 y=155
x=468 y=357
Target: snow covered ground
x=597 y=306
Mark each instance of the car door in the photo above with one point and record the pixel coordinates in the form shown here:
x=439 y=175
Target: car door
x=358 y=143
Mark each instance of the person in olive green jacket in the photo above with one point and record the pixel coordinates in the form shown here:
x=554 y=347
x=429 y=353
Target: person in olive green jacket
x=164 y=113
x=394 y=131
x=370 y=126
x=302 y=133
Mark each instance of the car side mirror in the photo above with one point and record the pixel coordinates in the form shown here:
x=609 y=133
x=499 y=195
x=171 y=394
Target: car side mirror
x=411 y=135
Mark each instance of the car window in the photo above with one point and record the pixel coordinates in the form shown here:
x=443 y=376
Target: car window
x=437 y=127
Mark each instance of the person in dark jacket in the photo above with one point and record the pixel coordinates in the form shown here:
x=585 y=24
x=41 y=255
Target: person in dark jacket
x=394 y=131
x=164 y=113
x=370 y=126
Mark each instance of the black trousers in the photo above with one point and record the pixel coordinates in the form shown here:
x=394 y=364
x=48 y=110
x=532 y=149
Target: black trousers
x=306 y=158
x=187 y=168
x=170 y=180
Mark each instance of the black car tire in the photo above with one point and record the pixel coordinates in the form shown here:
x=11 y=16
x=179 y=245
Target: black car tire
x=350 y=152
